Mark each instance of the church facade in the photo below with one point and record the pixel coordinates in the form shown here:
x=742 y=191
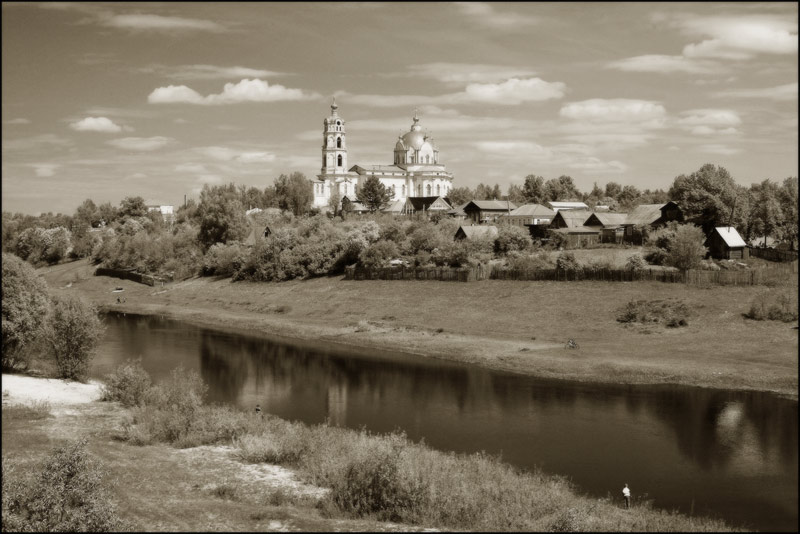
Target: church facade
x=416 y=171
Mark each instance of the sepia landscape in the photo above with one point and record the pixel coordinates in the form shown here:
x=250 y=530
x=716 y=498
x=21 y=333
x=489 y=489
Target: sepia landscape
x=398 y=266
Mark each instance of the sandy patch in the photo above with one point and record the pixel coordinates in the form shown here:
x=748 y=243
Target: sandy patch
x=26 y=389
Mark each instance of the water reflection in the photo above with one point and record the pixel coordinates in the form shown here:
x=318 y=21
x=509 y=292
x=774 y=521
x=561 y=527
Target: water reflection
x=734 y=453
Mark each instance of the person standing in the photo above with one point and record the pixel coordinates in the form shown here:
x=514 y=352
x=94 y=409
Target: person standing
x=258 y=409
x=626 y=493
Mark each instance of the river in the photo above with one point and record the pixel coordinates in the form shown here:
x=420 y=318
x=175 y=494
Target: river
x=726 y=454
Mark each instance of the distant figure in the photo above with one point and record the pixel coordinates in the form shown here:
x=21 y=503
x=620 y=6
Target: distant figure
x=118 y=300
x=258 y=409
x=626 y=493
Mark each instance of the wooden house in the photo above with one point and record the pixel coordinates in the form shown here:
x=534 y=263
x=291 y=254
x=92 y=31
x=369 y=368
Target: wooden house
x=571 y=224
x=724 y=242
x=481 y=211
x=472 y=232
x=610 y=225
x=426 y=206
x=533 y=217
x=650 y=215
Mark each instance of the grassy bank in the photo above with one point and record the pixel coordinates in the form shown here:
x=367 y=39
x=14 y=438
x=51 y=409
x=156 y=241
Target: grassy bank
x=515 y=326
x=349 y=480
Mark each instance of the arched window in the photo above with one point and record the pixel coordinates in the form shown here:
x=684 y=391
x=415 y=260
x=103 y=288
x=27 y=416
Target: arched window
x=338 y=123
x=339 y=160
x=438 y=189
x=338 y=142
x=428 y=189
x=419 y=190
x=427 y=159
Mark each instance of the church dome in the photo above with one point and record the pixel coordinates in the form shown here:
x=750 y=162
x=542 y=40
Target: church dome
x=415 y=138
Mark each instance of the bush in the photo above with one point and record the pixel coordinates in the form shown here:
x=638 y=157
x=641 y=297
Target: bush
x=71 y=333
x=774 y=307
x=128 y=384
x=670 y=312
x=511 y=239
x=635 y=263
x=224 y=259
x=377 y=254
x=24 y=306
x=530 y=262
x=65 y=496
x=656 y=256
x=566 y=261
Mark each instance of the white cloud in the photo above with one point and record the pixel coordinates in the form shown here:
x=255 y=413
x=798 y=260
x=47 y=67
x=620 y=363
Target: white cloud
x=613 y=110
x=461 y=73
x=244 y=91
x=710 y=117
x=665 y=64
x=45 y=170
x=208 y=72
x=221 y=153
x=521 y=148
x=740 y=37
x=191 y=167
x=35 y=142
x=485 y=14
x=141 y=144
x=718 y=149
x=20 y=120
x=592 y=165
x=707 y=130
x=95 y=124
x=781 y=92
x=146 y=22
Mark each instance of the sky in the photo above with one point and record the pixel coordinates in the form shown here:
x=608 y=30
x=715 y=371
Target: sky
x=108 y=100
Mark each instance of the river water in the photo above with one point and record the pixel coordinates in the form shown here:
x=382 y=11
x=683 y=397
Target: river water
x=726 y=454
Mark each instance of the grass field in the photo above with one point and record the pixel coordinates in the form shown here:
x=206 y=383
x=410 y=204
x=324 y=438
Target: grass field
x=516 y=326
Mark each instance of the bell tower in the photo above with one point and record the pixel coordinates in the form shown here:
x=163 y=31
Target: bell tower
x=334 y=145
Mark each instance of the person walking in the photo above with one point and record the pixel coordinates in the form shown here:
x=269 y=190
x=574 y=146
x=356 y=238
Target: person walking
x=258 y=409
x=626 y=493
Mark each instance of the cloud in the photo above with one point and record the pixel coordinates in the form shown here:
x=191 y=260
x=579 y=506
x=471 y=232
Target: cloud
x=707 y=130
x=710 y=117
x=35 y=142
x=141 y=144
x=146 y=22
x=245 y=91
x=191 y=167
x=718 y=149
x=526 y=148
x=592 y=165
x=221 y=153
x=95 y=124
x=45 y=170
x=461 y=73
x=665 y=64
x=511 y=92
x=485 y=14
x=20 y=120
x=613 y=110
x=209 y=72
x=740 y=37
x=781 y=92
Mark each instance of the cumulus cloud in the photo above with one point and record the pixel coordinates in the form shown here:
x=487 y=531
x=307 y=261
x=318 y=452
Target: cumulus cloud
x=20 y=120
x=485 y=14
x=461 y=73
x=45 y=170
x=710 y=117
x=247 y=90
x=613 y=110
x=741 y=37
x=146 y=22
x=141 y=144
x=526 y=148
x=718 y=149
x=593 y=165
x=35 y=142
x=95 y=124
x=781 y=92
x=665 y=64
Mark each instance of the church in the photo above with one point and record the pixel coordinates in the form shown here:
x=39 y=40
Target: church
x=416 y=171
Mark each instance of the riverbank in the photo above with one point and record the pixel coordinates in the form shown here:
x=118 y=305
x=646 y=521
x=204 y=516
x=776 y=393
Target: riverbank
x=520 y=327
x=229 y=485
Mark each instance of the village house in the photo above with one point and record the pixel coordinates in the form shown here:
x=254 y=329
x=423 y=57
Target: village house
x=724 y=242
x=473 y=232
x=650 y=215
x=610 y=225
x=534 y=217
x=458 y=212
x=426 y=206
x=481 y=211
x=570 y=224
x=167 y=211
x=558 y=206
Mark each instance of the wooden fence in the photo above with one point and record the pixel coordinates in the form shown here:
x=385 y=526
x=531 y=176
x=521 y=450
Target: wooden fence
x=130 y=274
x=772 y=254
x=777 y=274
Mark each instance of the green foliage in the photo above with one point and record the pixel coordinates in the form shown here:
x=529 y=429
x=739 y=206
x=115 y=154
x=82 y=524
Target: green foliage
x=378 y=253
x=294 y=193
x=225 y=259
x=24 y=304
x=511 y=239
x=566 y=261
x=533 y=189
x=460 y=195
x=128 y=384
x=635 y=263
x=221 y=215
x=529 y=262
x=38 y=246
x=373 y=194
x=27 y=412
x=686 y=249
x=71 y=333
x=780 y=305
x=673 y=313
x=67 y=495
x=132 y=207
x=706 y=197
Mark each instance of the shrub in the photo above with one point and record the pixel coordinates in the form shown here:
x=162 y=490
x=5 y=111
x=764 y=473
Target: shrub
x=224 y=259
x=530 y=262
x=670 y=312
x=128 y=384
x=71 y=333
x=67 y=495
x=378 y=253
x=27 y=412
x=686 y=248
x=510 y=239
x=635 y=263
x=566 y=261
x=24 y=306
x=768 y=305
x=656 y=256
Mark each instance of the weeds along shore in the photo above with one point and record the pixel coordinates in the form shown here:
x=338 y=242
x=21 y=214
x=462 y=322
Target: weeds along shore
x=379 y=477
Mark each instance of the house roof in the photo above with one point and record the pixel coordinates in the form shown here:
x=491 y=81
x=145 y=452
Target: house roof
x=375 y=168
x=573 y=218
x=420 y=203
x=395 y=207
x=609 y=219
x=730 y=236
x=533 y=210
x=568 y=205
x=495 y=205
x=646 y=213
x=477 y=231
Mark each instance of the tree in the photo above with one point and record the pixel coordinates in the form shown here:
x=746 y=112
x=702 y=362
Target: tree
x=613 y=189
x=561 y=188
x=627 y=197
x=515 y=194
x=132 y=207
x=107 y=213
x=373 y=194
x=221 y=215
x=294 y=193
x=788 y=202
x=706 y=197
x=334 y=202
x=766 y=215
x=460 y=195
x=686 y=248
x=483 y=192
x=86 y=215
x=533 y=189
x=71 y=332
x=511 y=238
x=25 y=305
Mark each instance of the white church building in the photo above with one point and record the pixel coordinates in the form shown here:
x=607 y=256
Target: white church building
x=416 y=171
